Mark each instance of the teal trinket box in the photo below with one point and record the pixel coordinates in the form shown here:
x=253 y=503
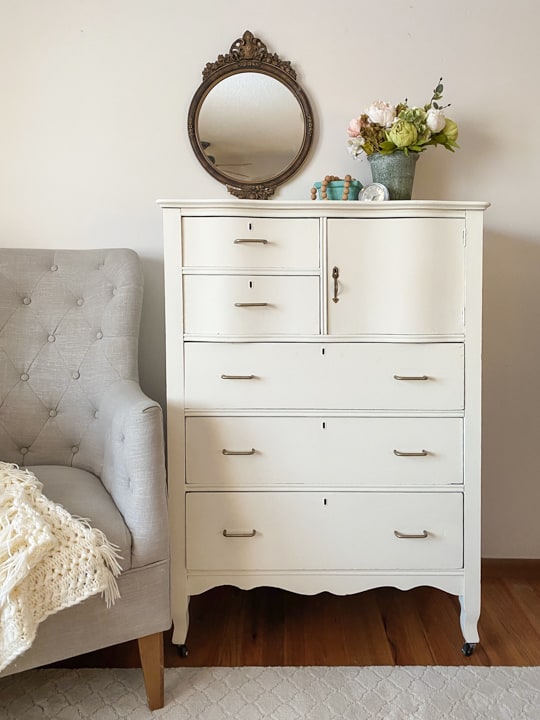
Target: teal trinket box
x=334 y=190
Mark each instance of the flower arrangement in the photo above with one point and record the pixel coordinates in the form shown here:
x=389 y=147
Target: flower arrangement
x=385 y=128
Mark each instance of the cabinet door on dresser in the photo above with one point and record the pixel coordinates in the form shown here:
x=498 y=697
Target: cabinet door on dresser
x=396 y=276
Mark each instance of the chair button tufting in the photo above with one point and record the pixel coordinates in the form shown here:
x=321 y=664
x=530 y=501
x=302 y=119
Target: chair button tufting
x=96 y=414
x=54 y=268
x=114 y=291
x=99 y=335
x=53 y=413
x=24 y=377
x=80 y=302
x=75 y=449
x=51 y=338
x=75 y=375
x=26 y=301
x=24 y=450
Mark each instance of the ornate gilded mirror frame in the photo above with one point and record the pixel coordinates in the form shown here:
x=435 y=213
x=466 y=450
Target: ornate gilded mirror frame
x=249 y=54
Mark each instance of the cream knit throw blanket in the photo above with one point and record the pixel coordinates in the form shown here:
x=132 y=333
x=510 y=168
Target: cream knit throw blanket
x=49 y=560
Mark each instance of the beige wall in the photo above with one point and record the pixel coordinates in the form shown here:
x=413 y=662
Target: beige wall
x=93 y=102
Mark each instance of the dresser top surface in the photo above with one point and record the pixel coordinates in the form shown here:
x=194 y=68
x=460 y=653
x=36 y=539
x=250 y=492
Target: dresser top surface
x=325 y=208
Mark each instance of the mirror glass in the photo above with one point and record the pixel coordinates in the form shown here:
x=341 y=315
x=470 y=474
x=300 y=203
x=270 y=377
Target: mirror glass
x=250 y=123
x=251 y=127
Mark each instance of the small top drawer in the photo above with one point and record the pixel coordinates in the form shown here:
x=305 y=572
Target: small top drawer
x=240 y=242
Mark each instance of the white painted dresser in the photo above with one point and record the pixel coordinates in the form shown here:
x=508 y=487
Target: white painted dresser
x=324 y=388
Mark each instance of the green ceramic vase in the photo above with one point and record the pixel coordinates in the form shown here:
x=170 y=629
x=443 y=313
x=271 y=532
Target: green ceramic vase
x=395 y=171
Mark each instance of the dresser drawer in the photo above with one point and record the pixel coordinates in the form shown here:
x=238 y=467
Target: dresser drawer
x=376 y=376
x=257 y=305
x=239 y=242
x=329 y=451
x=396 y=276
x=324 y=531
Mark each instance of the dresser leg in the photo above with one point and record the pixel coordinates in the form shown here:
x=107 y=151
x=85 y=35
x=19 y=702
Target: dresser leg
x=470 y=612
x=180 y=615
x=182 y=651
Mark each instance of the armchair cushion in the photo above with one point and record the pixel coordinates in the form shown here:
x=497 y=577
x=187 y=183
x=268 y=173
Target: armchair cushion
x=83 y=495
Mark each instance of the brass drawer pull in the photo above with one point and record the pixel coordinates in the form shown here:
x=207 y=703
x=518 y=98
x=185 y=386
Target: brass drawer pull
x=422 y=453
x=405 y=536
x=335 y=276
x=411 y=377
x=237 y=377
x=263 y=304
x=238 y=452
x=239 y=534
x=243 y=241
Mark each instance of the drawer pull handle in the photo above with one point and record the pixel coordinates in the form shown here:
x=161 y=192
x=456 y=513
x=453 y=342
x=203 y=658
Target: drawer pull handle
x=263 y=304
x=238 y=452
x=237 y=377
x=400 y=453
x=243 y=241
x=239 y=534
x=405 y=536
x=411 y=377
x=335 y=276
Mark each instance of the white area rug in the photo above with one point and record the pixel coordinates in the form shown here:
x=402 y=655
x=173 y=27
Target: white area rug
x=279 y=693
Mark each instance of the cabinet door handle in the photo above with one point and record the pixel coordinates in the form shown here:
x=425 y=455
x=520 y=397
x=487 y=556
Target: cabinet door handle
x=411 y=377
x=243 y=241
x=238 y=452
x=251 y=304
x=406 y=536
x=400 y=453
x=239 y=533
x=335 y=275
x=237 y=377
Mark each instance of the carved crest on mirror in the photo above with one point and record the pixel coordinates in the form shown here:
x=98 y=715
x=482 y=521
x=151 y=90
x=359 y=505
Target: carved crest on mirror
x=250 y=123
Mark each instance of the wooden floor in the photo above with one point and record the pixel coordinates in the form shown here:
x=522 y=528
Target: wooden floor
x=230 y=627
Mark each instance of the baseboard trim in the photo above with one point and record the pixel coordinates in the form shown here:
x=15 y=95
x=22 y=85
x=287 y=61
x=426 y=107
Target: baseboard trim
x=506 y=568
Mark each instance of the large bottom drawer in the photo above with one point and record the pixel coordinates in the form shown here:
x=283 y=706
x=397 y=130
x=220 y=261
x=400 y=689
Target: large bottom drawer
x=324 y=531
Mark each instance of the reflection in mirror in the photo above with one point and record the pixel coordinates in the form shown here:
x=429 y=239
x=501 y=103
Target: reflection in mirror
x=250 y=123
x=251 y=127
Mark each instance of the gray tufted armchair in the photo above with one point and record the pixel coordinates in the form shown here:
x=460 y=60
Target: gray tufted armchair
x=71 y=410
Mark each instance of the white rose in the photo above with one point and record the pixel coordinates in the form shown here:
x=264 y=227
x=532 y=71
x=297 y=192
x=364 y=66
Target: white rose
x=355 y=146
x=435 y=120
x=381 y=113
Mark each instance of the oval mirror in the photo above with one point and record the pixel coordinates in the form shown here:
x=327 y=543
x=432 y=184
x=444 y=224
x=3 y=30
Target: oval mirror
x=250 y=123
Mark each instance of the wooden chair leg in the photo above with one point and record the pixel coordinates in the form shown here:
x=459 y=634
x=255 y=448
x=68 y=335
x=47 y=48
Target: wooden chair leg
x=152 y=663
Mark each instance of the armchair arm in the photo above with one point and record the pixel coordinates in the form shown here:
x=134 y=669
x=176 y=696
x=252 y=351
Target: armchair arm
x=134 y=468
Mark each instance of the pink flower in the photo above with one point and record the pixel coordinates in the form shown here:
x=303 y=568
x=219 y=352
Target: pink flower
x=354 y=127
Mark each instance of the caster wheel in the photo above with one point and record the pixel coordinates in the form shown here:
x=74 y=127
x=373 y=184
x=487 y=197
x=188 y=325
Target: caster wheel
x=182 y=651
x=468 y=649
